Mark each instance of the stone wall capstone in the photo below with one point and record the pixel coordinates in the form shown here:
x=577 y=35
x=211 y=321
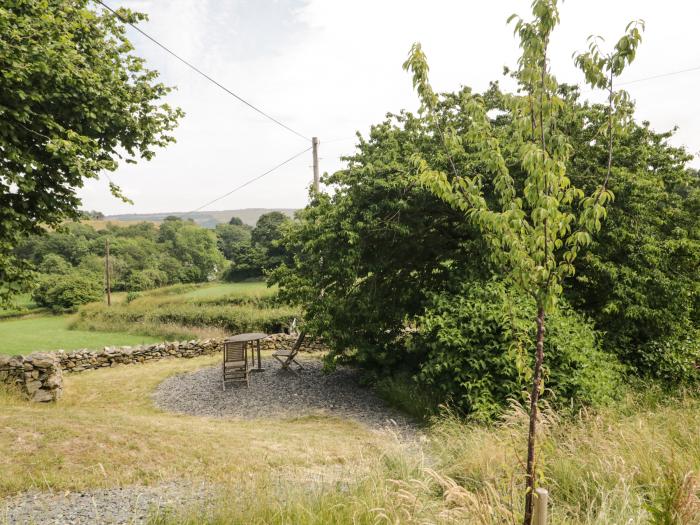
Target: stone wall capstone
x=39 y=376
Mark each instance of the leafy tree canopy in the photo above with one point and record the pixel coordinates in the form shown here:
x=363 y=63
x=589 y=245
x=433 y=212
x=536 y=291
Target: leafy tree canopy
x=229 y=236
x=268 y=229
x=142 y=256
x=367 y=258
x=74 y=101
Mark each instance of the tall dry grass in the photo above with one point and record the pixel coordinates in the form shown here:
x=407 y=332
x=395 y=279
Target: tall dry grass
x=635 y=463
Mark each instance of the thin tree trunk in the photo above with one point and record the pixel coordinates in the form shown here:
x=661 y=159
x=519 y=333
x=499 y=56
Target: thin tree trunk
x=532 y=432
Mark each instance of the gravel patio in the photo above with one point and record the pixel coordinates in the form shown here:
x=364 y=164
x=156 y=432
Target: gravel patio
x=280 y=394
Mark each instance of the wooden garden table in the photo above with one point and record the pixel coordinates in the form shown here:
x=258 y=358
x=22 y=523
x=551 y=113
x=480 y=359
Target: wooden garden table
x=254 y=339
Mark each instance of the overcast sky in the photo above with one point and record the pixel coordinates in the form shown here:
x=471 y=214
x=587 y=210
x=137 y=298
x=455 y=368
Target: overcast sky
x=330 y=68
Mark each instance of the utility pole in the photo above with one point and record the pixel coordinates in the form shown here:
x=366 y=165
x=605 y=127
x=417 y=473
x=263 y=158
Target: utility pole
x=317 y=178
x=107 y=276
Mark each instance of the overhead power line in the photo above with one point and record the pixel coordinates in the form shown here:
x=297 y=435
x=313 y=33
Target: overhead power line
x=202 y=73
x=290 y=159
x=670 y=73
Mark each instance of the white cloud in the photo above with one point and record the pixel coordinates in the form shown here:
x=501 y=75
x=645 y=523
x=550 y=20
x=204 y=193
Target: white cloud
x=331 y=67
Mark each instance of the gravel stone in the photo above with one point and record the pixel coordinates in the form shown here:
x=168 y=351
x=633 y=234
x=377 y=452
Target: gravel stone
x=117 y=506
x=280 y=394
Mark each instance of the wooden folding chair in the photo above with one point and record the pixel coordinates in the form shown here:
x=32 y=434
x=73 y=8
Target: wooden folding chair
x=288 y=356
x=235 y=365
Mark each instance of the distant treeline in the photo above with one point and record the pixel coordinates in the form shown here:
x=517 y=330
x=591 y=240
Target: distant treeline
x=71 y=261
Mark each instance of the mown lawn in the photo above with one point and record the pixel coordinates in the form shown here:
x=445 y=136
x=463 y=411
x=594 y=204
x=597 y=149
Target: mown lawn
x=30 y=334
x=223 y=289
x=105 y=432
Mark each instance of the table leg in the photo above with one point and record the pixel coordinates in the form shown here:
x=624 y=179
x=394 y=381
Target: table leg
x=258 y=344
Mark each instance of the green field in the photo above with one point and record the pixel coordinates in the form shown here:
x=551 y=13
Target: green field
x=21 y=305
x=211 y=291
x=190 y=311
x=23 y=336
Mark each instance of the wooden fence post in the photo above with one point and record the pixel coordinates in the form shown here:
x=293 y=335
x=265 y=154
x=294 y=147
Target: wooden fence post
x=541 y=502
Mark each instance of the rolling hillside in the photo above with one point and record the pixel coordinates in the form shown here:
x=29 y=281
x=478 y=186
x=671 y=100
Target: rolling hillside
x=208 y=219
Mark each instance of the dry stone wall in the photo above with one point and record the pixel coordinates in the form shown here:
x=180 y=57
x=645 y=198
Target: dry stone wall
x=39 y=376
x=80 y=360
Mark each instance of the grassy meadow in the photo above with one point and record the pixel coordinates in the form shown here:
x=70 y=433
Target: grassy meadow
x=633 y=464
x=31 y=334
x=169 y=313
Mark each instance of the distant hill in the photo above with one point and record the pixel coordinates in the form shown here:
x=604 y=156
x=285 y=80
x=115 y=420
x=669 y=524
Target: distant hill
x=208 y=219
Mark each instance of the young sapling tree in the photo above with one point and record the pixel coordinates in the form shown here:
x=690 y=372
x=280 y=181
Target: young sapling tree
x=536 y=227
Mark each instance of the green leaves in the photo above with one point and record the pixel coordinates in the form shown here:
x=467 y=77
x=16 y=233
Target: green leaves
x=117 y=192
x=74 y=102
x=530 y=229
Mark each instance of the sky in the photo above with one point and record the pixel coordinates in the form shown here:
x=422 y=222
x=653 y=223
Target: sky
x=331 y=68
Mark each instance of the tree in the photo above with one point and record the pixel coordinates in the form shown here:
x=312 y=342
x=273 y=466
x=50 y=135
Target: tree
x=229 y=236
x=74 y=101
x=67 y=291
x=386 y=244
x=235 y=221
x=266 y=237
x=363 y=260
x=639 y=280
x=55 y=264
x=267 y=229
x=536 y=231
x=195 y=248
x=246 y=262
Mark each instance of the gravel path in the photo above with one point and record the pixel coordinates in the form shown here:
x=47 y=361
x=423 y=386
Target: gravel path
x=128 y=505
x=280 y=394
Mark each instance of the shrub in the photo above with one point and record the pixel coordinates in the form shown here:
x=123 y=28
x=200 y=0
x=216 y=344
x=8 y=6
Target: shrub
x=146 y=279
x=674 y=359
x=231 y=318
x=132 y=296
x=476 y=346
x=54 y=264
x=66 y=292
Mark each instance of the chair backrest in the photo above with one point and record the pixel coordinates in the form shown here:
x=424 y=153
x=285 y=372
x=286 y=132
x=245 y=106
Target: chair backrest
x=300 y=340
x=235 y=351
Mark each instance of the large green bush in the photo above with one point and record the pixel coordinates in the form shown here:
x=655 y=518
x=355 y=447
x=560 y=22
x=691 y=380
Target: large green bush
x=147 y=279
x=367 y=257
x=475 y=346
x=65 y=292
